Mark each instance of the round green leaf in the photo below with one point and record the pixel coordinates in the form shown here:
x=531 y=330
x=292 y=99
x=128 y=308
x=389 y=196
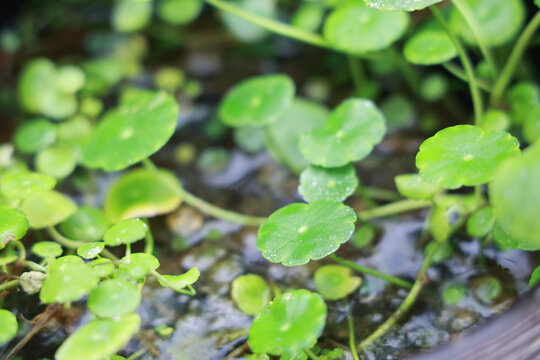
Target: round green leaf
x=47 y=249
x=102 y=267
x=87 y=224
x=349 y=135
x=495 y=120
x=130 y=15
x=429 y=47
x=282 y=136
x=34 y=135
x=356 y=29
x=114 y=298
x=335 y=282
x=289 y=324
x=179 y=12
x=299 y=232
x=414 y=187
x=146 y=261
x=74 y=131
x=142 y=193
x=464 y=155
x=47 y=208
x=257 y=101
x=244 y=30
x=179 y=282
x=499 y=21
x=90 y=250
x=69 y=280
x=69 y=79
x=481 y=221
x=13 y=225
x=57 y=161
x=20 y=184
x=8 y=326
x=251 y=293
x=522 y=99
x=99 y=339
x=125 y=232
x=132 y=132
x=335 y=184
x=535 y=279
x=515 y=196
x=406 y=5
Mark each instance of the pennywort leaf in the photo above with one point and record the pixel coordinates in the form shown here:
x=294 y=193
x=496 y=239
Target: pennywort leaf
x=125 y=232
x=335 y=282
x=251 y=293
x=19 y=184
x=180 y=282
x=13 y=225
x=415 y=187
x=335 y=184
x=90 y=250
x=8 y=326
x=47 y=249
x=481 y=221
x=87 y=224
x=114 y=298
x=429 y=46
x=47 y=208
x=34 y=135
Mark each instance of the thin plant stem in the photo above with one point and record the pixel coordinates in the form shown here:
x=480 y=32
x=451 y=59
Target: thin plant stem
x=9 y=284
x=382 y=194
x=460 y=74
x=365 y=270
x=467 y=65
x=514 y=59
x=471 y=20
x=355 y=67
x=32 y=265
x=220 y=213
x=311 y=355
x=22 y=250
x=271 y=24
x=149 y=239
x=149 y=165
x=160 y=277
x=137 y=354
x=406 y=305
x=393 y=209
x=128 y=252
x=352 y=339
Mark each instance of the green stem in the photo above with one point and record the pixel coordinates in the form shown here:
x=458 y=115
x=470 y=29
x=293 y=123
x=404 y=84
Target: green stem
x=469 y=17
x=271 y=25
x=219 y=213
x=32 y=265
x=137 y=354
x=311 y=355
x=381 y=194
x=460 y=74
x=352 y=340
x=393 y=209
x=405 y=306
x=391 y=279
x=355 y=67
x=514 y=59
x=149 y=239
x=408 y=71
x=9 y=284
x=469 y=71
x=149 y=165
x=160 y=277
x=22 y=250
x=128 y=252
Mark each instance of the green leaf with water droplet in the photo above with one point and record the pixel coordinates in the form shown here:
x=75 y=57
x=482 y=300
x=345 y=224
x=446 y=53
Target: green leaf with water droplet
x=413 y=186
x=335 y=184
x=499 y=21
x=8 y=326
x=282 y=136
x=291 y=323
x=90 y=250
x=132 y=132
x=47 y=208
x=429 y=47
x=13 y=225
x=99 y=339
x=406 y=5
x=515 y=197
x=142 y=193
x=19 y=184
x=464 y=155
x=257 y=101
x=125 y=232
x=251 y=293
x=335 y=282
x=69 y=279
x=349 y=135
x=114 y=298
x=297 y=233
x=47 y=249
x=357 y=29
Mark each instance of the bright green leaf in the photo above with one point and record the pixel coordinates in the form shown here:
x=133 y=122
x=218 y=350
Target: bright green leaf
x=481 y=221
x=130 y=15
x=299 y=232
x=179 y=282
x=99 y=338
x=90 y=250
x=495 y=120
x=251 y=293
x=464 y=155
x=47 y=249
x=13 y=225
x=57 y=161
x=414 y=187
x=132 y=132
x=146 y=261
x=535 y=278
x=522 y=99
x=34 y=135
x=20 y=184
x=8 y=326
x=335 y=184
x=289 y=324
x=407 y=5
x=531 y=125
x=142 y=193
x=350 y=134
x=47 y=208
x=335 y=282
x=429 y=47
x=179 y=12
x=113 y=298
x=87 y=224
x=125 y=232
x=257 y=101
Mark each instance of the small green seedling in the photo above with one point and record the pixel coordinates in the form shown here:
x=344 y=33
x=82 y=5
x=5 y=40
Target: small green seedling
x=289 y=324
x=179 y=282
x=251 y=293
x=335 y=282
